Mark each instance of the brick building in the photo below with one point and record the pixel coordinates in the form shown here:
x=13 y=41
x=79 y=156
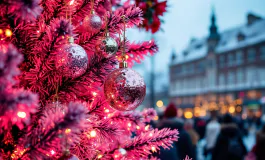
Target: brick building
x=223 y=70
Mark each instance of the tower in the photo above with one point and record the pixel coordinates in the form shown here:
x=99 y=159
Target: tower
x=214 y=36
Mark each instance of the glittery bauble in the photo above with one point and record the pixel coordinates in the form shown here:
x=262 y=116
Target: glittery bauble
x=72 y=60
x=124 y=89
x=108 y=46
x=92 y=22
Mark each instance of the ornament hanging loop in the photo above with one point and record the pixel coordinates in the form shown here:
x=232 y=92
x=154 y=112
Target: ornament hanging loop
x=124 y=64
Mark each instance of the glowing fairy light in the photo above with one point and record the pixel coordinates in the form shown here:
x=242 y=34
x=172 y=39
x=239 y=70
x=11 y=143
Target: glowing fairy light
x=8 y=32
x=137 y=127
x=129 y=124
x=1 y=31
x=72 y=2
x=146 y=127
x=68 y=130
x=100 y=156
x=93 y=133
x=21 y=114
x=150 y=134
x=107 y=110
x=52 y=152
x=153 y=149
x=94 y=93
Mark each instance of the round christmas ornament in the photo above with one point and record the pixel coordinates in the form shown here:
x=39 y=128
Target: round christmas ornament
x=72 y=60
x=124 y=88
x=92 y=22
x=108 y=46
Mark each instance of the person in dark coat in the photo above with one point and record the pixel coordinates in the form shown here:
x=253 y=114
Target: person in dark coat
x=229 y=144
x=259 y=148
x=183 y=146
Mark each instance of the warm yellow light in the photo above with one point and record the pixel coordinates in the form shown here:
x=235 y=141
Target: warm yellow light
x=156 y=118
x=159 y=103
x=129 y=125
x=137 y=127
x=93 y=133
x=100 y=156
x=188 y=114
x=153 y=149
x=21 y=114
x=68 y=130
x=94 y=93
x=238 y=101
x=1 y=31
x=150 y=134
x=126 y=57
x=231 y=109
x=107 y=110
x=146 y=127
x=8 y=32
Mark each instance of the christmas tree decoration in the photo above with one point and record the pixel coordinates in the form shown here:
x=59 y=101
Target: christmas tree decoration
x=152 y=12
x=60 y=111
x=72 y=60
x=124 y=88
x=108 y=46
x=92 y=22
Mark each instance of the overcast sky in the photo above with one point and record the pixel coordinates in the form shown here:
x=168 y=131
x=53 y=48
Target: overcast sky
x=191 y=18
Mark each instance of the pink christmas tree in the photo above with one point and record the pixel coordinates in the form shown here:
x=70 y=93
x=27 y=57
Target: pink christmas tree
x=53 y=103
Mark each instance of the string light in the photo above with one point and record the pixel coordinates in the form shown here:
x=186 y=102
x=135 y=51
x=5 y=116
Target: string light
x=107 y=110
x=71 y=2
x=137 y=127
x=153 y=149
x=52 y=152
x=68 y=130
x=8 y=32
x=1 y=31
x=93 y=133
x=100 y=156
x=129 y=125
x=146 y=127
x=21 y=114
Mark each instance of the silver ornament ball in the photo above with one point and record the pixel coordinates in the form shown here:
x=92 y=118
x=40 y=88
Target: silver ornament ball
x=92 y=22
x=108 y=46
x=72 y=60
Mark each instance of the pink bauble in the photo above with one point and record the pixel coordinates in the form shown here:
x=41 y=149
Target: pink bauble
x=92 y=23
x=124 y=89
x=72 y=60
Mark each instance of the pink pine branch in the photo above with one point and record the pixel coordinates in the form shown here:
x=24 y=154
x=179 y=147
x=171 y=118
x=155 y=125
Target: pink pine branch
x=137 y=52
x=56 y=124
x=142 y=144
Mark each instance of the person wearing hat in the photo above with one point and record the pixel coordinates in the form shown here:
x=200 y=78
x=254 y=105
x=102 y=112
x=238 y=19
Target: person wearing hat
x=183 y=146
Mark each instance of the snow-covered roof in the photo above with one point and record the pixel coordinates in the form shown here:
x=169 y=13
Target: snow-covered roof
x=197 y=48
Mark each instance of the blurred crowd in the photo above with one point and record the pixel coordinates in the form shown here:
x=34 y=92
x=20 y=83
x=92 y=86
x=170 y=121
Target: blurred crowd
x=223 y=135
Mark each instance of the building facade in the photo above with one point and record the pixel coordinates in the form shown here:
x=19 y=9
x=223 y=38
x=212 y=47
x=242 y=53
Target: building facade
x=223 y=71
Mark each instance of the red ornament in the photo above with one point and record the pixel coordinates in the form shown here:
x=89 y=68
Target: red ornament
x=124 y=89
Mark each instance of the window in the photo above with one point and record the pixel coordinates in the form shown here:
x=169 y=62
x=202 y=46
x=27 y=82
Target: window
x=240 y=75
x=231 y=78
x=200 y=66
x=262 y=53
x=239 y=57
x=221 y=80
x=222 y=61
x=251 y=55
x=231 y=59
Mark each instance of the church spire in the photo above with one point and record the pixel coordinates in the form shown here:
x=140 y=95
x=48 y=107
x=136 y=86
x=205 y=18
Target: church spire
x=214 y=35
